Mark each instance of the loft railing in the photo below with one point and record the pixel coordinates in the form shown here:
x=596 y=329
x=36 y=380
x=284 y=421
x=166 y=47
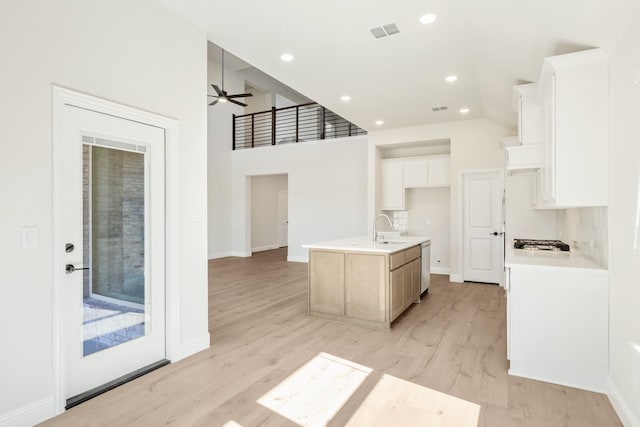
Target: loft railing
x=298 y=123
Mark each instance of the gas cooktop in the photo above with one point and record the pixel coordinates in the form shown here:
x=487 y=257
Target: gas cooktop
x=540 y=245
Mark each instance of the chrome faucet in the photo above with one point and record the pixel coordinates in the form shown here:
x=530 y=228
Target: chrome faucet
x=375 y=221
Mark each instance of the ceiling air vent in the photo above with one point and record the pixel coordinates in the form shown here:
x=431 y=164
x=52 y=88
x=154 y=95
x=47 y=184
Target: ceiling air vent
x=440 y=108
x=385 y=30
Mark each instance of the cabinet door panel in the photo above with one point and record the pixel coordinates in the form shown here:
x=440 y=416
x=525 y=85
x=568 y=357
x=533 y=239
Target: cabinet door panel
x=397 y=292
x=365 y=286
x=391 y=191
x=409 y=280
x=326 y=282
x=439 y=171
x=415 y=173
x=417 y=277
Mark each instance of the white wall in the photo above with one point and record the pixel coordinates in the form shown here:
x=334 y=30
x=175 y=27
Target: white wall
x=264 y=210
x=327 y=190
x=475 y=145
x=219 y=142
x=624 y=252
x=430 y=215
x=135 y=53
x=522 y=221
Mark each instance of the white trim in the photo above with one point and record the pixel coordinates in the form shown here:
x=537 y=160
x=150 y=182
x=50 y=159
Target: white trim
x=60 y=98
x=30 y=414
x=440 y=270
x=554 y=381
x=298 y=258
x=265 y=248
x=241 y=254
x=456 y=278
x=217 y=255
x=194 y=346
x=622 y=408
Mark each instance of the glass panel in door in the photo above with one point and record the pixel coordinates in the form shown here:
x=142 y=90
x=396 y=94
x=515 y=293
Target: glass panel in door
x=114 y=228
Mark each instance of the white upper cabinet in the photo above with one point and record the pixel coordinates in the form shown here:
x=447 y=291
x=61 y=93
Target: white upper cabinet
x=439 y=172
x=411 y=172
x=391 y=188
x=416 y=172
x=573 y=100
x=524 y=102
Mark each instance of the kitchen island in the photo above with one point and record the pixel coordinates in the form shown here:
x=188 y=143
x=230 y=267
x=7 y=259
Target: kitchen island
x=363 y=282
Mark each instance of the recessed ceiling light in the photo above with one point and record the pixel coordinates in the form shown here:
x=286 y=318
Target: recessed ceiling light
x=286 y=57
x=428 y=19
x=345 y=98
x=451 y=78
x=464 y=110
x=379 y=122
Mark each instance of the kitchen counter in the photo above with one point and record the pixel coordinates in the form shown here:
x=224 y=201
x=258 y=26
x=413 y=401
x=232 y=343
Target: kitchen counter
x=366 y=244
x=529 y=258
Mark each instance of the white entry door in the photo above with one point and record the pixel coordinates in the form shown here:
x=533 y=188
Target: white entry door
x=113 y=222
x=283 y=218
x=482 y=210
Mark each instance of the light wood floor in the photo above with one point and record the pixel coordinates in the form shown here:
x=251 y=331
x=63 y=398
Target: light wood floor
x=453 y=342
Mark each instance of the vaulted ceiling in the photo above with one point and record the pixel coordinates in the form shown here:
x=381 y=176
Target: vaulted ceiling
x=489 y=44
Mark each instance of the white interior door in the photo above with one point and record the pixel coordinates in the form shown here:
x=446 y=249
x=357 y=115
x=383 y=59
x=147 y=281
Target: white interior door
x=283 y=218
x=482 y=211
x=113 y=291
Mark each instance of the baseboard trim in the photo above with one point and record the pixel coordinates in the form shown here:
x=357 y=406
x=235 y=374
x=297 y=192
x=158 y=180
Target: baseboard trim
x=217 y=255
x=439 y=270
x=298 y=259
x=622 y=408
x=241 y=254
x=265 y=248
x=601 y=390
x=456 y=278
x=30 y=414
x=193 y=346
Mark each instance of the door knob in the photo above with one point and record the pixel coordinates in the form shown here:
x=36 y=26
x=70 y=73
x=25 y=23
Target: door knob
x=495 y=233
x=70 y=268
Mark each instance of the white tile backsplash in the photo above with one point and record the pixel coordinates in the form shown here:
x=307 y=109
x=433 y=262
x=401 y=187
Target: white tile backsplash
x=400 y=220
x=586 y=230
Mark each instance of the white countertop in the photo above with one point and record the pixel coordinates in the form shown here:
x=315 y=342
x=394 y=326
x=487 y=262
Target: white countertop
x=524 y=257
x=366 y=244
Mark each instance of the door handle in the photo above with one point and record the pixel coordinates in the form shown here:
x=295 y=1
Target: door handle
x=70 y=268
x=495 y=233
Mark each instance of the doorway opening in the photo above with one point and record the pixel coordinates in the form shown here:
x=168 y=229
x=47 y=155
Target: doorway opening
x=269 y=212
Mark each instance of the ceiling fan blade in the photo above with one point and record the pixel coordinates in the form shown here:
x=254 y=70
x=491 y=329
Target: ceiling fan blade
x=236 y=102
x=240 y=95
x=213 y=96
x=215 y=101
x=217 y=89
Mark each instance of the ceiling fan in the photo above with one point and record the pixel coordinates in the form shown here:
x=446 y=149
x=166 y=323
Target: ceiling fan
x=222 y=95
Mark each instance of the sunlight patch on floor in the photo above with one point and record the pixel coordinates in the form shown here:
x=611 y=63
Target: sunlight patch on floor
x=397 y=402
x=313 y=394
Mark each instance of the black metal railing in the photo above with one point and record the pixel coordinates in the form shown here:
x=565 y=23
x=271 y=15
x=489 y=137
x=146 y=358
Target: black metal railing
x=298 y=123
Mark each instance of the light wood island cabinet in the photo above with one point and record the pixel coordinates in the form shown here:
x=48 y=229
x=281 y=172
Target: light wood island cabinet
x=366 y=288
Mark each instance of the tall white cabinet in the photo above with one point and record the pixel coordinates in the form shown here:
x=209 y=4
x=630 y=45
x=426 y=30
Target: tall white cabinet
x=573 y=99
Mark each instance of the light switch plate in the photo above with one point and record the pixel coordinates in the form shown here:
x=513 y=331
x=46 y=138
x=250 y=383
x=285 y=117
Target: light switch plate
x=29 y=237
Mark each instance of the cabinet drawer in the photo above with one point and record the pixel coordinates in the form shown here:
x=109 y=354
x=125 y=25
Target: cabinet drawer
x=397 y=260
x=411 y=254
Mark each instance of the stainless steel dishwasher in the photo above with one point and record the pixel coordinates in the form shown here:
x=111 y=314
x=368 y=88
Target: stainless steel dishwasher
x=426 y=266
